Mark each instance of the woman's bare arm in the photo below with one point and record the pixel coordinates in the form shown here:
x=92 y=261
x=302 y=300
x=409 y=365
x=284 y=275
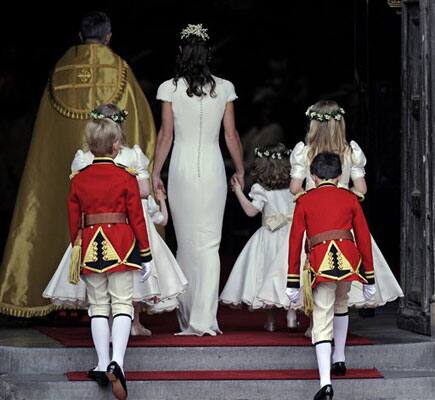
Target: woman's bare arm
x=163 y=145
x=234 y=145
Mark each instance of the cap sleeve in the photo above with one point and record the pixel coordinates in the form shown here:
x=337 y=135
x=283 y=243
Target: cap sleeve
x=258 y=196
x=230 y=92
x=142 y=163
x=298 y=162
x=153 y=210
x=165 y=91
x=358 y=161
x=81 y=160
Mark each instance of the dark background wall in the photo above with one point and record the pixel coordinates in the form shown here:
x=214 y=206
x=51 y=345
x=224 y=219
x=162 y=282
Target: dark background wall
x=348 y=50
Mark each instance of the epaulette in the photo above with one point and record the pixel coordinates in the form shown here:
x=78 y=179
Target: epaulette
x=74 y=173
x=299 y=195
x=130 y=170
x=352 y=190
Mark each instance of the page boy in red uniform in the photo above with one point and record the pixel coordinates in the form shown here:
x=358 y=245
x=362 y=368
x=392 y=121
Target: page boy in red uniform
x=339 y=251
x=107 y=224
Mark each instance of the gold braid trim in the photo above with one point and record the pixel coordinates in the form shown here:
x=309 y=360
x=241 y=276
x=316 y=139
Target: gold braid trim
x=27 y=312
x=81 y=115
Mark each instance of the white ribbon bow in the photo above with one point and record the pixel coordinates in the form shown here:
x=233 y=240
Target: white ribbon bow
x=276 y=221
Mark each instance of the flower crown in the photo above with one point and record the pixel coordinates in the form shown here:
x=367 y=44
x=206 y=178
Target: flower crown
x=336 y=114
x=118 y=117
x=274 y=155
x=195 y=30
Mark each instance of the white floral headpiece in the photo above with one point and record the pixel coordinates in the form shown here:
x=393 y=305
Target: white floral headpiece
x=274 y=155
x=337 y=114
x=195 y=30
x=118 y=117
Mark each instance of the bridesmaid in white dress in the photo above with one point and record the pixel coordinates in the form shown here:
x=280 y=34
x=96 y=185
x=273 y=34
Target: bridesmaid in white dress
x=259 y=275
x=329 y=135
x=159 y=293
x=194 y=105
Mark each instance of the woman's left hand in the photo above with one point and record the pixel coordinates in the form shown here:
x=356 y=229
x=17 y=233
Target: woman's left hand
x=241 y=179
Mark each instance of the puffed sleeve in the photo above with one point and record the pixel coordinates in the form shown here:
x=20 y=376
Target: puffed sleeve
x=230 y=92
x=141 y=162
x=258 y=196
x=81 y=160
x=358 y=161
x=153 y=210
x=298 y=162
x=165 y=91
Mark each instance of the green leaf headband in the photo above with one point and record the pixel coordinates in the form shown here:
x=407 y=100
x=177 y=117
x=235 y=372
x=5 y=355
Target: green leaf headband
x=274 y=155
x=117 y=117
x=337 y=114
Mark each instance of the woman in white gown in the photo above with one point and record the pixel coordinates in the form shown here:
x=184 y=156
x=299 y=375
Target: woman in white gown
x=194 y=104
x=353 y=163
x=159 y=293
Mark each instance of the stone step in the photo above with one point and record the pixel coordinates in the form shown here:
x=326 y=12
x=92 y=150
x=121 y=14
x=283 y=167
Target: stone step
x=397 y=385
x=26 y=360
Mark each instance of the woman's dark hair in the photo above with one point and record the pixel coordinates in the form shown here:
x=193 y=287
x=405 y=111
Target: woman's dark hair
x=95 y=26
x=192 y=64
x=326 y=166
x=272 y=173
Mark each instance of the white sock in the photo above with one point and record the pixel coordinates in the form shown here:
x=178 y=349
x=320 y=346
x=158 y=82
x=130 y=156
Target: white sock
x=291 y=317
x=341 y=324
x=120 y=335
x=101 y=335
x=323 y=353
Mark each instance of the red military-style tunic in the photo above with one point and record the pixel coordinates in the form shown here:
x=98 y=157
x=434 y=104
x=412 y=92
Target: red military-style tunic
x=105 y=187
x=324 y=209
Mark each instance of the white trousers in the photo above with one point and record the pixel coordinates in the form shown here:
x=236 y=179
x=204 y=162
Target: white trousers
x=111 y=291
x=330 y=298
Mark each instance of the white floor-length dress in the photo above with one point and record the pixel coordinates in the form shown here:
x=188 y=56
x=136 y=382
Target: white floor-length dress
x=197 y=191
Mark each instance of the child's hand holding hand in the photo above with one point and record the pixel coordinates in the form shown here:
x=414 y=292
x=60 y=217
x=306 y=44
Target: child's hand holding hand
x=235 y=184
x=160 y=195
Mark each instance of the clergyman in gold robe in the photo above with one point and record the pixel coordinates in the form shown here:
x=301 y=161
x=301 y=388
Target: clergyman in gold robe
x=87 y=75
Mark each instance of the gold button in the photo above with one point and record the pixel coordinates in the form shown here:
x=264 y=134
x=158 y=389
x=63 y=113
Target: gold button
x=341 y=240
x=92 y=226
x=109 y=226
x=324 y=242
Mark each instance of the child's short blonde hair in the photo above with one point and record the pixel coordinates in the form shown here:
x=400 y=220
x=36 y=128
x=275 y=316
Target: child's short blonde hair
x=101 y=135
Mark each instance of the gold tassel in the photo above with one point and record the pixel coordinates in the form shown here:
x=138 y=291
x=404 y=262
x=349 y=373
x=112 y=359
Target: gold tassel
x=308 y=291
x=76 y=260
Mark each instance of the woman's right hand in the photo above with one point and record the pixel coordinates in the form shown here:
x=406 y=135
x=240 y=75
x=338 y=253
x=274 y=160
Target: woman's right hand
x=158 y=184
x=160 y=195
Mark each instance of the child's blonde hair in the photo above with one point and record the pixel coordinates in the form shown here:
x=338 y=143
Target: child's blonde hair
x=272 y=167
x=327 y=131
x=101 y=135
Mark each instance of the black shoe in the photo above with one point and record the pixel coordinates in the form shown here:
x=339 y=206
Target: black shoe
x=99 y=377
x=326 y=393
x=339 y=368
x=116 y=376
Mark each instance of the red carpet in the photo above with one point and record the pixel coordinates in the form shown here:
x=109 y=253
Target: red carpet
x=277 y=374
x=240 y=327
